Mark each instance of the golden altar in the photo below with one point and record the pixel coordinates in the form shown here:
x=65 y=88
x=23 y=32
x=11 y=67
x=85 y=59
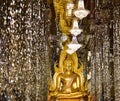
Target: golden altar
x=68 y=82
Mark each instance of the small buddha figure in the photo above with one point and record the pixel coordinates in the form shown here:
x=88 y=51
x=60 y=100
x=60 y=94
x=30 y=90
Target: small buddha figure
x=68 y=82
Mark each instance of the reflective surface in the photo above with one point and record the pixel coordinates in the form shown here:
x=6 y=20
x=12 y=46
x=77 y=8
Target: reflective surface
x=105 y=49
x=23 y=50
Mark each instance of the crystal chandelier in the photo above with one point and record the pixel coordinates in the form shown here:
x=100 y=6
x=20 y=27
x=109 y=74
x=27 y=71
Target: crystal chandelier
x=70 y=51
x=73 y=46
x=81 y=12
x=75 y=30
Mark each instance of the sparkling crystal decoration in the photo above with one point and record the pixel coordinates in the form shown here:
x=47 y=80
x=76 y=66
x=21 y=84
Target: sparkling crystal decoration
x=74 y=45
x=70 y=51
x=25 y=53
x=105 y=51
x=75 y=29
x=81 y=12
x=23 y=50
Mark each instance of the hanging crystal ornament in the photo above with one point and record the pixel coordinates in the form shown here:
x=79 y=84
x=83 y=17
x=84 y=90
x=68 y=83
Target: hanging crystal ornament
x=69 y=8
x=73 y=46
x=75 y=30
x=70 y=51
x=81 y=12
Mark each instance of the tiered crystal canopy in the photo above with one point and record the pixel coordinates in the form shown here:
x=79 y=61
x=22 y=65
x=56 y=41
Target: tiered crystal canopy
x=80 y=13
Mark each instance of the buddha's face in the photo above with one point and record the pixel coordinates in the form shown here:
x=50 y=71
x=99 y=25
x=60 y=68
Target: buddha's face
x=68 y=65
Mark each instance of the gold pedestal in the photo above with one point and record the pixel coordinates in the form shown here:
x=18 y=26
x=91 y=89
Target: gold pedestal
x=69 y=99
x=73 y=99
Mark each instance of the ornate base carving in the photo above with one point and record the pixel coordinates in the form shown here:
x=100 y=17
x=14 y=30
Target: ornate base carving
x=74 y=99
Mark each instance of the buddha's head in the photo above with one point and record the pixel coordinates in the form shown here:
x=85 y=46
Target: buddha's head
x=68 y=64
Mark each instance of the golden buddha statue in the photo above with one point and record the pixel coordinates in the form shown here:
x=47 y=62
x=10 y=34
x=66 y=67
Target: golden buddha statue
x=68 y=83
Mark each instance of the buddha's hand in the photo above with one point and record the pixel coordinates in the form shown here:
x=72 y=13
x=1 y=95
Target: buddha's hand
x=53 y=93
